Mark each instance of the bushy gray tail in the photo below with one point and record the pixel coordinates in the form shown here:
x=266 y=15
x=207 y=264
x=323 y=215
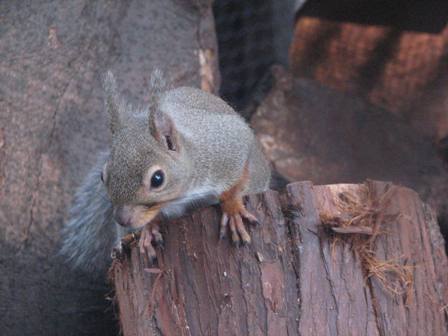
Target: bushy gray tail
x=90 y=234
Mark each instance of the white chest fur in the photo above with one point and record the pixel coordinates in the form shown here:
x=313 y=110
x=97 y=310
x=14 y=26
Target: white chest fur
x=197 y=198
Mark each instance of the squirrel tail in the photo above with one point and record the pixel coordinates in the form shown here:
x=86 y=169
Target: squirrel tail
x=90 y=234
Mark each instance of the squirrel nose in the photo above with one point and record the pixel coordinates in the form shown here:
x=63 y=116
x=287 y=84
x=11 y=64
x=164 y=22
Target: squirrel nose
x=122 y=216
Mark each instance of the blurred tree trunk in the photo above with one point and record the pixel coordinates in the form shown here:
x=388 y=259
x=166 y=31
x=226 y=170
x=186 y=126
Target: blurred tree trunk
x=327 y=260
x=52 y=124
x=397 y=54
x=310 y=131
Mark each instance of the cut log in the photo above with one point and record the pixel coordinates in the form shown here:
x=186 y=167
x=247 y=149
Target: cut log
x=307 y=271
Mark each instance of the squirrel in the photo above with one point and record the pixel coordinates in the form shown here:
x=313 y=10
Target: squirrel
x=187 y=148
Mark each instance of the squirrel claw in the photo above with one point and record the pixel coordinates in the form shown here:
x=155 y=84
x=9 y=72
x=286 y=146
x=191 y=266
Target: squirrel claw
x=223 y=226
x=251 y=218
x=117 y=252
x=148 y=236
x=238 y=232
x=158 y=238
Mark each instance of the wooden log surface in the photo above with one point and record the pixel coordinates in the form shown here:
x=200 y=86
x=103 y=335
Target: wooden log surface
x=299 y=276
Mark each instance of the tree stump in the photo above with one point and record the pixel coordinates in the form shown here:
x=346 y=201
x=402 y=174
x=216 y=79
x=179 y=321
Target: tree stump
x=346 y=259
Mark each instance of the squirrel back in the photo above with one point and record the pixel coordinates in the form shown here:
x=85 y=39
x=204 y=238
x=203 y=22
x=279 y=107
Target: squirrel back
x=216 y=139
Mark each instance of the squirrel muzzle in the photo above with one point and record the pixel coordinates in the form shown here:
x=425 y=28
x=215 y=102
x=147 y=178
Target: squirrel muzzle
x=135 y=216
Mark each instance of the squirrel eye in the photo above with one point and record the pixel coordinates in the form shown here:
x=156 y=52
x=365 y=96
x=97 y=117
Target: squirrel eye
x=157 y=179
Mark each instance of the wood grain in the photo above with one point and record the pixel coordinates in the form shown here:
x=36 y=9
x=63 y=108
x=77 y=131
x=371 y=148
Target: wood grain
x=297 y=277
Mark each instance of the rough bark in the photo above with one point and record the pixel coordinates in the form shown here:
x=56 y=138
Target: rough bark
x=305 y=273
x=52 y=124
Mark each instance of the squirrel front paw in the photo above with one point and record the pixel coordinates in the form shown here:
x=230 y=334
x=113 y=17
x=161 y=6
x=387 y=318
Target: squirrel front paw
x=233 y=212
x=149 y=236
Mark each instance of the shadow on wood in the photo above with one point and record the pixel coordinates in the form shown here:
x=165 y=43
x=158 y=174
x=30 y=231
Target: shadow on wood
x=299 y=276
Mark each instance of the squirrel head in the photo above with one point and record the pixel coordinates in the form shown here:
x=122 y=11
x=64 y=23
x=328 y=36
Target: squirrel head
x=147 y=166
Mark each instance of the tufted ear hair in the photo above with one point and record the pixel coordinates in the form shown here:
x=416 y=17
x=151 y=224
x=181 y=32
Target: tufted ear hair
x=113 y=102
x=157 y=83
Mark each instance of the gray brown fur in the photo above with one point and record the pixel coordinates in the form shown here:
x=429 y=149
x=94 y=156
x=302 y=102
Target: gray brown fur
x=213 y=145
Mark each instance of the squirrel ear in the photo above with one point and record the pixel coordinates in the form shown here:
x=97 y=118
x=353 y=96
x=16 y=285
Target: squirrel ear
x=161 y=126
x=113 y=103
x=163 y=129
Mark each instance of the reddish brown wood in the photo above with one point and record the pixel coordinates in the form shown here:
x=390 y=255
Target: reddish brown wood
x=297 y=277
